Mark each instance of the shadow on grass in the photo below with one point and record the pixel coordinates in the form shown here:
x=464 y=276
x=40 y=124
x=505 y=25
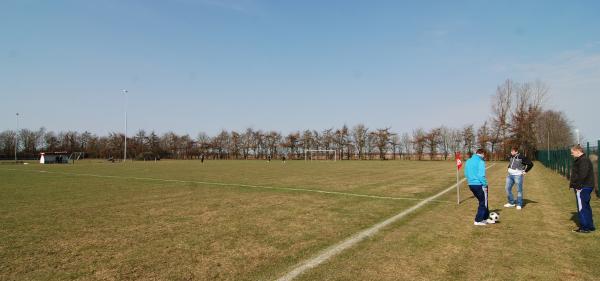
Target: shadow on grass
x=575 y=218
x=527 y=201
x=468 y=198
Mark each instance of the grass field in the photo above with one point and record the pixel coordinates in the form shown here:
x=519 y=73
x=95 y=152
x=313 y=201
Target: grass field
x=252 y=220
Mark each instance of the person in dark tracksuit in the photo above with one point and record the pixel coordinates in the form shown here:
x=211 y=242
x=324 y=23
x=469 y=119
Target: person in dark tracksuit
x=518 y=166
x=582 y=182
x=475 y=174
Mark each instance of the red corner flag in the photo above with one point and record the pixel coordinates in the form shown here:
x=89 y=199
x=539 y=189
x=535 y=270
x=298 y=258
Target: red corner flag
x=458 y=160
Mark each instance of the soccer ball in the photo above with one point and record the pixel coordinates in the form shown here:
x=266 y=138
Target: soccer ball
x=494 y=216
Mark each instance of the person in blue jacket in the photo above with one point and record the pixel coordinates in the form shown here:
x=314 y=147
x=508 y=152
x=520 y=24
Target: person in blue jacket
x=475 y=174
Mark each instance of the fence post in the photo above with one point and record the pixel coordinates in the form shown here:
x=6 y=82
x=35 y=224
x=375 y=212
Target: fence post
x=588 y=149
x=569 y=162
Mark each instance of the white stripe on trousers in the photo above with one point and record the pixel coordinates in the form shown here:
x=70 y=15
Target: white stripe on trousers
x=485 y=192
x=579 y=206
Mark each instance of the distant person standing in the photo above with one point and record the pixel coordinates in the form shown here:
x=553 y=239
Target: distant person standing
x=518 y=166
x=475 y=174
x=202 y=158
x=283 y=159
x=582 y=183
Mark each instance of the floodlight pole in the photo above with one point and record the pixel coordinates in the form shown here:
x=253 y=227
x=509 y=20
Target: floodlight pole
x=17 y=137
x=125 y=150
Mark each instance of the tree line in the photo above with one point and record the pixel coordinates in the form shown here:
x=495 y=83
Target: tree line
x=517 y=118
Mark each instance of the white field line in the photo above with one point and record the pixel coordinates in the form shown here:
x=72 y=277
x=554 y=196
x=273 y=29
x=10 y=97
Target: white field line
x=358 y=237
x=233 y=185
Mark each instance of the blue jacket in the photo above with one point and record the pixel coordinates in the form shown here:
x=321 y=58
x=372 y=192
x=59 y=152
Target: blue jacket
x=475 y=171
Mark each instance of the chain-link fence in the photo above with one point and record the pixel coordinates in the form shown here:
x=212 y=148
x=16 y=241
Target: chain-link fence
x=560 y=160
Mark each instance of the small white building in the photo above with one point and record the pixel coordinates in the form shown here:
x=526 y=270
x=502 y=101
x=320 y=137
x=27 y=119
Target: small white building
x=54 y=158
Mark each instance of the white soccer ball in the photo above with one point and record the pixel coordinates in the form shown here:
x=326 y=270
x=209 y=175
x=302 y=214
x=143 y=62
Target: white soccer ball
x=494 y=216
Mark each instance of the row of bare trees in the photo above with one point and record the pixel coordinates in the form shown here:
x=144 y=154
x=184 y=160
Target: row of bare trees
x=518 y=119
x=358 y=142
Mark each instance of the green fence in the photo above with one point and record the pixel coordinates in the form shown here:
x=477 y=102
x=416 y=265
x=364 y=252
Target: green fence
x=560 y=160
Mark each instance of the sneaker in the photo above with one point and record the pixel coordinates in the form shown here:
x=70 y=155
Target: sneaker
x=508 y=205
x=518 y=207
x=479 y=223
x=579 y=230
x=490 y=221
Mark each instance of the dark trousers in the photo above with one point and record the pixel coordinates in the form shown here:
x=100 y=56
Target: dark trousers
x=583 y=196
x=481 y=194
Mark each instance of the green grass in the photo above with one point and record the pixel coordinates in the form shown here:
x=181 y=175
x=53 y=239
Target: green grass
x=67 y=224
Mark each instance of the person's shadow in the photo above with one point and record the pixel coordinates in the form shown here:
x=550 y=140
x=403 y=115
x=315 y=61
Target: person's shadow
x=575 y=217
x=527 y=201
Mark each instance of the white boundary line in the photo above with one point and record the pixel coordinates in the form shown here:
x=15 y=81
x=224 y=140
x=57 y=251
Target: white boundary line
x=234 y=185
x=358 y=237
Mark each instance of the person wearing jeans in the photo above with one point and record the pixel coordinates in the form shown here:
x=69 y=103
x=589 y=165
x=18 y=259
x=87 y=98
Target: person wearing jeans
x=511 y=180
x=582 y=182
x=518 y=166
x=475 y=174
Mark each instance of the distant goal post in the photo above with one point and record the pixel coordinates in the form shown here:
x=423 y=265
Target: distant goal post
x=320 y=154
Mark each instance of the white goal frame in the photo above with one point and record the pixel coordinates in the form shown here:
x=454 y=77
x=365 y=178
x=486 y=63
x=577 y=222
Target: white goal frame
x=76 y=155
x=306 y=153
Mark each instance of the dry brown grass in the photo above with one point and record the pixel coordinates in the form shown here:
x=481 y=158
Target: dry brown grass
x=441 y=243
x=57 y=226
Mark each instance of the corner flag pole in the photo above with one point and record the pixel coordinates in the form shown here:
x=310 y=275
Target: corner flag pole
x=457 y=189
x=458 y=166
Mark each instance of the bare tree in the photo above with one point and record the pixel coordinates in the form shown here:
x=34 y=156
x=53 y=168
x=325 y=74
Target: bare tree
x=89 y=144
x=185 y=147
x=432 y=141
x=360 y=137
x=114 y=145
x=445 y=141
x=235 y=144
x=221 y=144
x=554 y=130
x=456 y=140
x=140 y=143
x=273 y=139
x=501 y=107
x=51 y=141
x=341 y=140
x=483 y=136
x=396 y=145
x=7 y=142
x=371 y=145
x=381 y=140
x=169 y=143
x=292 y=141
x=154 y=144
x=527 y=108
x=247 y=138
x=28 y=139
x=68 y=141
x=407 y=144
x=328 y=138
x=468 y=136
x=258 y=144
x=307 y=140
x=419 y=142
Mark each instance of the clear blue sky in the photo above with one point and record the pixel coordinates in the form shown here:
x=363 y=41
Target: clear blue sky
x=207 y=65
